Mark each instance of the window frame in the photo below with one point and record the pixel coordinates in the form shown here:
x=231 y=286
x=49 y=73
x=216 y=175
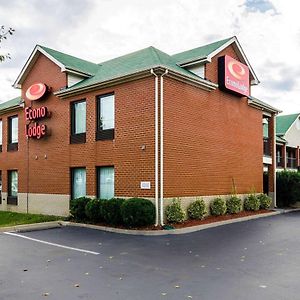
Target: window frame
x=76 y=138
x=10 y=145
x=104 y=134
x=12 y=200
x=72 y=180
x=98 y=179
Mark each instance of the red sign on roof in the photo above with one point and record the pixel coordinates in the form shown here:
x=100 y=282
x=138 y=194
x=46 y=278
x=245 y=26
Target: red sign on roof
x=36 y=91
x=233 y=76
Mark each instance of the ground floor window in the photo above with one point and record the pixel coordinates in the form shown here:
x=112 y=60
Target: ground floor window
x=12 y=184
x=0 y=187
x=106 y=182
x=78 y=183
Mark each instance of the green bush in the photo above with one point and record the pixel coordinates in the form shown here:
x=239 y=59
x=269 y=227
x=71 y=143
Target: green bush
x=252 y=203
x=111 y=211
x=265 y=201
x=138 y=212
x=234 y=205
x=288 y=188
x=77 y=208
x=218 y=207
x=197 y=209
x=93 y=210
x=174 y=212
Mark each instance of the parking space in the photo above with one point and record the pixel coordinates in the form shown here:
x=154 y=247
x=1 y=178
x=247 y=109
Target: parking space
x=258 y=259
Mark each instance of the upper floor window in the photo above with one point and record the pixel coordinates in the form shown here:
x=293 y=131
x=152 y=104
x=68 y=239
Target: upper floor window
x=0 y=135
x=105 y=117
x=78 y=122
x=13 y=125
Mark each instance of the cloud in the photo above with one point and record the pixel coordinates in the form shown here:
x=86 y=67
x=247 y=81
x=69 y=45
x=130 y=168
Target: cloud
x=260 y=6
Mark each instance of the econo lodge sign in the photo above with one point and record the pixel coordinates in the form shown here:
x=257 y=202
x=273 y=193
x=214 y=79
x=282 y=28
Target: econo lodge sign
x=233 y=76
x=33 y=115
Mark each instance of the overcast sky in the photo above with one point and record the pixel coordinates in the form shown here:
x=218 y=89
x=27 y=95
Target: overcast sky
x=97 y=30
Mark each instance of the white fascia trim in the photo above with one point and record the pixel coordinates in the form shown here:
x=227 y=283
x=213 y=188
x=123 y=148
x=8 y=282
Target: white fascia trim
x=195 y=62
x=262 y=107
x=234 y=40
x=292 y=124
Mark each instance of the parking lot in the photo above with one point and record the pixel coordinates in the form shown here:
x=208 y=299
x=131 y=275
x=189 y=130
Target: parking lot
x=257 y=259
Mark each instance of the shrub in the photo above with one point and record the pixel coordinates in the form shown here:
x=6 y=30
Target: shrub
x=77 y=208
x=174 y=212
x=138 y=212
x=111 y=211
x=218 y=207
x=252 y=203
x=265 y=201
x=288 y=188
x=93 y=210
x=197 y=209
x=234 y=205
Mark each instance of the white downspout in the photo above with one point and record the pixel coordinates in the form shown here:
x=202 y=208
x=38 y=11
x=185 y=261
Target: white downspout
x=162 y=147
x=156 y=147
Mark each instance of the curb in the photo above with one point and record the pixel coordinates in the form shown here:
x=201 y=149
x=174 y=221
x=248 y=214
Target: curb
x=59 y=224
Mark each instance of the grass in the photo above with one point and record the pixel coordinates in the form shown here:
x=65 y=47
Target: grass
x=8 y=218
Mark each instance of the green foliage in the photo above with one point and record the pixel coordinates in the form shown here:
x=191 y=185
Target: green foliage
x=288 y=188
x=265 y=201
x=234 y=205
x=111 y=211
x=252 y=203
x=197 y=209
x=138 y=212
x=174 y=212
x=77 y=208
x=218 y=207
x=93 y=210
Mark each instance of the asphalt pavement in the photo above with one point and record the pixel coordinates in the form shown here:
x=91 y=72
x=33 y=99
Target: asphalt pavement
x=258 y=259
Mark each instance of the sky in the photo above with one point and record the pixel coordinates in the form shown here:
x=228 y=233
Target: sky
x=97 y=30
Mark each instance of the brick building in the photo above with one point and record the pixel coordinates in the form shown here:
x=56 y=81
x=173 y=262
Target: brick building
x=146 y=124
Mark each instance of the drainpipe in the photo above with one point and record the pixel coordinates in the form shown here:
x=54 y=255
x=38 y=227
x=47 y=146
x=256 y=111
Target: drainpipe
x=156 y=147
x=162 y=147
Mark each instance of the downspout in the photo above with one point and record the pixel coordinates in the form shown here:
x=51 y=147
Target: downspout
x=162 y=147
x=156 y=147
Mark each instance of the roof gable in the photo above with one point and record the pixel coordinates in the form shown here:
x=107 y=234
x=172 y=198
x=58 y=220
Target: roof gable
x=206 y=53
x=283 y=123
x=66 y=63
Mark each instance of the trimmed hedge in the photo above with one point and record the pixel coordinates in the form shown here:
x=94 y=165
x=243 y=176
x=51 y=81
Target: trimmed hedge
x=174 y=212
x=77 y=208
x=234 y=205
x=252 y=203
x=197 y=209
x=218 y=207
x=93 y=210
x=138 y=212
x=288 y=188
x=265 y=201
x=111 y=211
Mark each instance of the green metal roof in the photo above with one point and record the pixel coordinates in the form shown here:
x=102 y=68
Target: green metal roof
x=283 y=123
x=200 y=52
x=10 y=103
x=72 y=62
x=132 y=63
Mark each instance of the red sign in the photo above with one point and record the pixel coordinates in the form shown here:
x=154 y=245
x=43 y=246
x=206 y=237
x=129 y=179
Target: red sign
x=233 y=76
x=36 y=91
x=34 y=129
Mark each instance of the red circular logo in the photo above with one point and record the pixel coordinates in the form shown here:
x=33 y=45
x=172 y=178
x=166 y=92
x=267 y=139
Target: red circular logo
x=36 y=91
x=236 y=69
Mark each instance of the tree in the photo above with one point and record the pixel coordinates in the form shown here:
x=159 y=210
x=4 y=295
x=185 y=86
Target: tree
x=4 y=33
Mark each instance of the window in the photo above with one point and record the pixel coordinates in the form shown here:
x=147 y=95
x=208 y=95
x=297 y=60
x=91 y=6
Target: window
x=78 y=183
x=78 y=122
x=12 y=186
x=12 y=133
x=0 y=135
x=106 y=182
x=105 y=117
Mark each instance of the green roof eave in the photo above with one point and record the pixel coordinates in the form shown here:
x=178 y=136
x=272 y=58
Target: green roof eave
x=11 y=105
x=283 y=123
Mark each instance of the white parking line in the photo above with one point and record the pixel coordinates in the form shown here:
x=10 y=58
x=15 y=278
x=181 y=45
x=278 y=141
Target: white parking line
x=51 y=244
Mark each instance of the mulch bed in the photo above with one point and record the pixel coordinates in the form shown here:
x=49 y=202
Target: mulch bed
x=190 y=223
